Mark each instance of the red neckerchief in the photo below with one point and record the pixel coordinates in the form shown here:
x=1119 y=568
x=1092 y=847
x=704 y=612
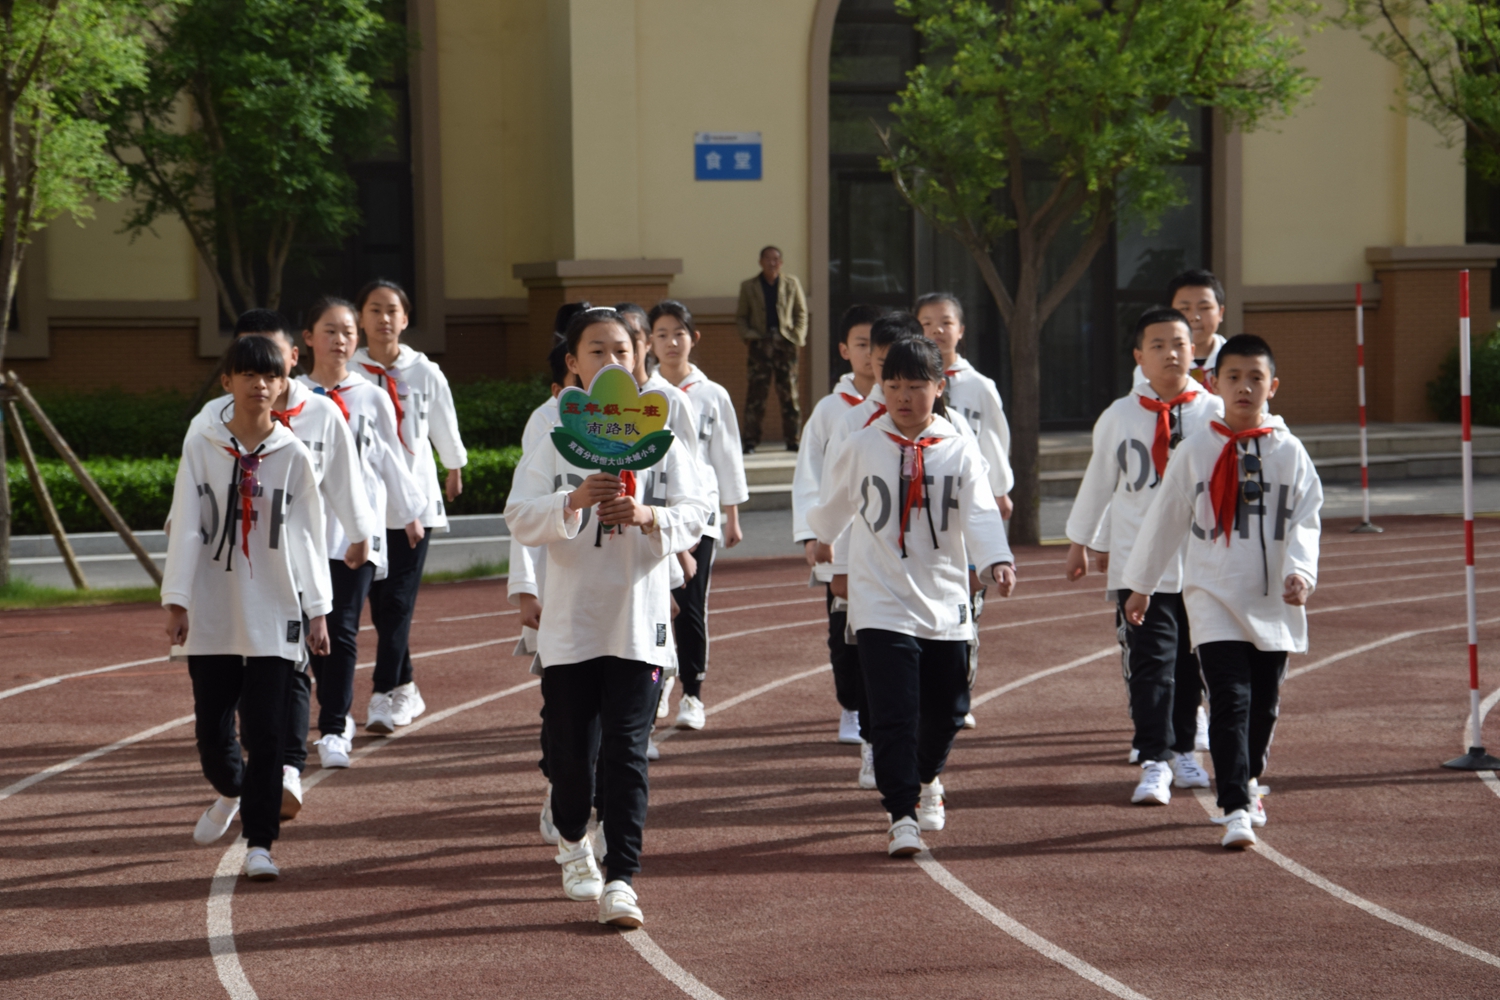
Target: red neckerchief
x=627 y=489
x=915 y=485
x=1224 y=485
x=247 y=511
x=851 y=399
x=1161 y=445
x=879 y=412
x=949 y=373
x=285 y=416
x=337 y=395
x=390 y=389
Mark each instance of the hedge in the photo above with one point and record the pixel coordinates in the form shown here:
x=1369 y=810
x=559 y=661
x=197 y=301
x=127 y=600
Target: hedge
x=493 y=414
x=1484 y=383
x=141 y=489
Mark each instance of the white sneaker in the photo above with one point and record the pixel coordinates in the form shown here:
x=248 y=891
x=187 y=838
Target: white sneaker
x=214 y=822
x=849 y=727
x=259 y=867
x=378 y=717
x=618 y=906
x=333 y=751
x=663 y=704
x=1200 y=735
x=653 y=752
x=690 y=713
x=1237 y=832
x=596 y=840
x=1134 y=757
x=1257 y=808
x=1155 y=788
x=969 y=722
x=905 y=838
x=867 y=766
x=580 y=875
x=406 y=704
x=930 y=812
x=549 y=832
x=291 y=792
x=1186 y=772
x=349 y=728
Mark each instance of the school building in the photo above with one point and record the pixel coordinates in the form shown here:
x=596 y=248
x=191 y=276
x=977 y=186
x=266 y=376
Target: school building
x=609 y=150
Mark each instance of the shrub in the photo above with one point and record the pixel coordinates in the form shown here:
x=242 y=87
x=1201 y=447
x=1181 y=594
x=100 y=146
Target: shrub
x=113 y=423
x=486 y=480
x=493 y=414
x=1484 y=383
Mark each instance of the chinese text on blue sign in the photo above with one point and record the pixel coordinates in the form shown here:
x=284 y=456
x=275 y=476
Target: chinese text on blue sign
x=726 y=156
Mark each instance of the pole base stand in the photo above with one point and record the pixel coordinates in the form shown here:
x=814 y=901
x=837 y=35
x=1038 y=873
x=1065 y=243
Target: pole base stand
x=1366 y=528
x=1475 y=760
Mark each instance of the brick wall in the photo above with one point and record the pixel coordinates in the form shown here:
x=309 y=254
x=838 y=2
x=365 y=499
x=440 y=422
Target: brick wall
x=1315 y=354
x=723 y=357
x=1416 y=327
x=482 y=349
x=130 y=358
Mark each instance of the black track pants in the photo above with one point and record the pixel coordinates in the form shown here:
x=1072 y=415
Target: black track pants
x=1162 y=675
x=1244 y=700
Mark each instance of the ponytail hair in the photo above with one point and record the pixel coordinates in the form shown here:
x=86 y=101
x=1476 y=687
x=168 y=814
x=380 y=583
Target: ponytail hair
x=917 y=359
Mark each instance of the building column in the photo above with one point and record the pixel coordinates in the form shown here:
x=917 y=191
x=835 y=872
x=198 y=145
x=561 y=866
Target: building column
x=550 y=283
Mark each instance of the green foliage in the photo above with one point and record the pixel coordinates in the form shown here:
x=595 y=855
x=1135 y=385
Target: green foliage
x=246 y=125
x=492 y=414
x=486 y=480
x=22 y=593
x=1484 y=384
x=1448 y=54
x=113 y=423
x=140 y=489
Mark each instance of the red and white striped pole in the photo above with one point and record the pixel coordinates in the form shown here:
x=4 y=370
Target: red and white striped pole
x=1365 y=527
x=1476 y=759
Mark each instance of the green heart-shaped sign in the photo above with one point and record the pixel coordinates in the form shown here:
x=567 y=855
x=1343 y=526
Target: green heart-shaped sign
x=612 y=426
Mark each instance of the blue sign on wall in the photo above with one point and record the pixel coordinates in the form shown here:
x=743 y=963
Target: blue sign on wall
x=726 y=156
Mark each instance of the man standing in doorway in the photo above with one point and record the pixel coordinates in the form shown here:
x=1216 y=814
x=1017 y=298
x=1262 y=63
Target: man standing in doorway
x=772 y=317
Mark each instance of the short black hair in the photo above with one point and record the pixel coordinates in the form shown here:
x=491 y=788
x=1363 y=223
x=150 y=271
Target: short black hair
x=557 y=360
x=262 y=321
x=859 y=316
x=892 y=327
x=918 y=359
x=565 y=314
x=673 y=308
x=1196 y=278
x=254 y=355
x=631 y=309
x=1245 y=345
x=581 y=321
x=1159 y=314
x=939 y=298
x=323 y=304
x=767 y=249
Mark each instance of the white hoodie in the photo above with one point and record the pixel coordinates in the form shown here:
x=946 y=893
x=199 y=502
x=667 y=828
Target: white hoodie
x=975 y=397
x=319 y=425
x=811 y=456
x=1230 y=594
x=605 y=594
x=241 y=605
x=388 y=485
x=1121 y=481
x=924 y=593
x=719 y=448
x=428 y=420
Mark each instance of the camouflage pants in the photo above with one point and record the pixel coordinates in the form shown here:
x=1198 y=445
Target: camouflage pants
x=772 y=358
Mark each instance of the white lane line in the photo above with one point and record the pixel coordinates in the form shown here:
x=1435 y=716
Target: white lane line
x=772 y=604
x=744 y=696
x=1021 y=932
x=943 y=877
x=762 y=586
x=1488 y=777
x=1397 y=637
x=1265 y=850
x=770 y=628
x=146 y=734
x=1383 y=565
x=483 y=614
x=1399 y=600
x=1457 y=538
x=662 y=962
x=49 y=681
x=84 y=758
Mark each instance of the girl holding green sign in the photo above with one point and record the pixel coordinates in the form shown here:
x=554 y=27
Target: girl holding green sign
x=606 y=637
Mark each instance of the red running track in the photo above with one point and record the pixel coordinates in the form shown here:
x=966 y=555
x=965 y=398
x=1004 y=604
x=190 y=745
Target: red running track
x=419 y=872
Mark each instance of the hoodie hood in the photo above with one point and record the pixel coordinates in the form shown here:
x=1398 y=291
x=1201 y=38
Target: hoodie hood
x=217 y=432
x=1144 y=389
x=961 y=365
x=939 y=428
x=405 y=358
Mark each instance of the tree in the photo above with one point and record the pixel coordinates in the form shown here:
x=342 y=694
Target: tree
x=1050 y=117
x=1448 y=52
x=245 y=127
x=61 y=61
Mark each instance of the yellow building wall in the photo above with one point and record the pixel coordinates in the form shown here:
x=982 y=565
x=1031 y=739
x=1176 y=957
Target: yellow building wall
x=97 y=261
x=1345 y=173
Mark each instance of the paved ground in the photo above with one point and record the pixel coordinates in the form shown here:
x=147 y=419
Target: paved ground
x=419 y=873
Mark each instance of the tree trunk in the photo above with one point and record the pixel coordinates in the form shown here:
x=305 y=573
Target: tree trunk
x=4 y=514
x=1026 y=407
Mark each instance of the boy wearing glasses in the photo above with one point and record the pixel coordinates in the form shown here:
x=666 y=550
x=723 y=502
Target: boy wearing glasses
x=1133 y=440
x=1245 y=499
x=246 y=562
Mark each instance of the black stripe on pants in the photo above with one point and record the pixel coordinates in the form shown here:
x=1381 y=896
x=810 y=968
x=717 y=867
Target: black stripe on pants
x=848 y=682
x=918 y=692
x=1244 y=700
x=392 y=602
x=261 y=687
x=1162 y=676
x=690 y=627
x=601 y=710
x=335 y=672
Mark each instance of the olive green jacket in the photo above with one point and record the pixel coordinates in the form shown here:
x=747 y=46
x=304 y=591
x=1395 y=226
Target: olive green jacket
x=791 y=310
